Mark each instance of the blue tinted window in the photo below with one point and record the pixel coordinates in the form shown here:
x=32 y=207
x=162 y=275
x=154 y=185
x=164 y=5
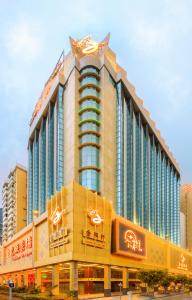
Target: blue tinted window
x=89 y=69
x=89 y=103
x=89 y=138
x=89 y=127
x=89 y=156
x=89 y=114
x=89 y=80
x=90 y=179
x=89 y=92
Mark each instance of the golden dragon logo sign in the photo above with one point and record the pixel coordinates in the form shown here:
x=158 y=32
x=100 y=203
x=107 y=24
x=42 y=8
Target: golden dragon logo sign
x=87 y=45
x=94 y=216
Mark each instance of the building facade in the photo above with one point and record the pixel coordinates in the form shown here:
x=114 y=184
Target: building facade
x=90 y=126
x=14 y=202
x=186 y=210
x=79 y=245
x=1 y=225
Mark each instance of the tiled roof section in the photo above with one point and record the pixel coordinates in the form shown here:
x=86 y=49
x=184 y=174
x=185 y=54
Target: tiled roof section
x=186 y=188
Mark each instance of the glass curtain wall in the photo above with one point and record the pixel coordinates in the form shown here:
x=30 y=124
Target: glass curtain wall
x=42 y=166
x=36 y=172
x=60 y=140
x=152 y=183
x=120 y=152
x=46 y=168
x=30 y=184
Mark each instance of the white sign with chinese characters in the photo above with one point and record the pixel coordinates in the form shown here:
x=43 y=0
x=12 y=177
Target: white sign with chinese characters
x=182 y=263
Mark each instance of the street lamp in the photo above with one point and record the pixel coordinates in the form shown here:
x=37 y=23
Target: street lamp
x=120 y=286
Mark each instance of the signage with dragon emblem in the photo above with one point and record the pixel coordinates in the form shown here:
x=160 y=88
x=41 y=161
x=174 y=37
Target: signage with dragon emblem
x=94 y=216
x=87 y=46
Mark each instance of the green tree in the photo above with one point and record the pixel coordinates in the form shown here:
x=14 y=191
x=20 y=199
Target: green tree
x=152 y=277
x=181 y=279
x=167 y=280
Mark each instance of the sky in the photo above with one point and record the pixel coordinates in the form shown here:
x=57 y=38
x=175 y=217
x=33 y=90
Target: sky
x=152 y=40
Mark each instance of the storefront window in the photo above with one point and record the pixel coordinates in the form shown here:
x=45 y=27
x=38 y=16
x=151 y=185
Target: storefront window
x=91 y=279
x=64 y=277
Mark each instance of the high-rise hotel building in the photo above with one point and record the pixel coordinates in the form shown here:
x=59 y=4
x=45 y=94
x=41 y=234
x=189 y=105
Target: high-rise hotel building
x=90 y=126
x=14 y=202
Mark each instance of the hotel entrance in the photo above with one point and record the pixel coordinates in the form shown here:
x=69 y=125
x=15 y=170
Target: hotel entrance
x=46 y=279
x=64 y=278
x=90 y=279
x=116 y=279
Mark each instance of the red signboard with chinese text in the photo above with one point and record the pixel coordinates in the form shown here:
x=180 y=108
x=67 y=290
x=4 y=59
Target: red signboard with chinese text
x=20 y=248
x=127 y=241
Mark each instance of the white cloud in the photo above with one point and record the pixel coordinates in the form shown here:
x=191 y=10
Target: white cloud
x=158 y=29
x=23 y=42
x=148 y=38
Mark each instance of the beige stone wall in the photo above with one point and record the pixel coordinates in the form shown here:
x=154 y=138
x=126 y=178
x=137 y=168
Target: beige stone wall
x=189 y=220
x=186 y=208
x=70 y=128
x=21 y=198
x=108 y=137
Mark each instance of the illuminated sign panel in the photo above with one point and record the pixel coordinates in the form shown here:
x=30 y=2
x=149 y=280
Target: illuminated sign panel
x=127 y=241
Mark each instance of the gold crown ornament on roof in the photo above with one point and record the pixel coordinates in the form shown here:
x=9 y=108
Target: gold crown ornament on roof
x=88 y=46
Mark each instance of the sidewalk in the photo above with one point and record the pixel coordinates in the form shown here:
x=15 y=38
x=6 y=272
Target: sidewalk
x=134 y=297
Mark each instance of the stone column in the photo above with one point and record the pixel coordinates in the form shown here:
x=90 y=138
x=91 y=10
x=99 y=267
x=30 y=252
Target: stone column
x=73 y=286
x=19 y=279
x=55 y=280
x=38 y=277
x=107 y=281
x=125 y=281
x=25 y=277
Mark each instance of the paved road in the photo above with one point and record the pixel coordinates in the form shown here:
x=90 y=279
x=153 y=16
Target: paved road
x=137 y=297
x=4 y=297
x=179 y=297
